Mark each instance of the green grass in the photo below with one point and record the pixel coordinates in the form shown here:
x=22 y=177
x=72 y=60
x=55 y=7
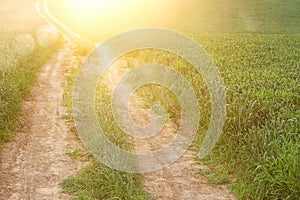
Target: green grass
x=236 y=16
x=255 y=45
x=17 y=74
x=98 y=181
x=258 y=153
x=261 y=134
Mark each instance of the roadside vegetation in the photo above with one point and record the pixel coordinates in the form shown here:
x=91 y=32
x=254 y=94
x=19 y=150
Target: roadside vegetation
x=258 y=153
x=98 y=181
x=20 y=60
x=261 y=141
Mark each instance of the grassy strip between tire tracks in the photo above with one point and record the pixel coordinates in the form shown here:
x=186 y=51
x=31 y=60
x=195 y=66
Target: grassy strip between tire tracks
x=98 y=181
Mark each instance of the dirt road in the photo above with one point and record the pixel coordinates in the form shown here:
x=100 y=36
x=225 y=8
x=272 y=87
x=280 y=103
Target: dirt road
x=37 y=161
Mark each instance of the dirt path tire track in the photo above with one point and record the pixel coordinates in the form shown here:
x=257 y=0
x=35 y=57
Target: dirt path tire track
x=179 y=180
x=37 y=161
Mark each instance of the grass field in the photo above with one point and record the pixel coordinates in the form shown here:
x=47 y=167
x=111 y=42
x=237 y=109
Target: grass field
x=255 y=45
x=260 y=145
x=20 y=61
x=240 y=16
x=260 y=66
x=258 y=154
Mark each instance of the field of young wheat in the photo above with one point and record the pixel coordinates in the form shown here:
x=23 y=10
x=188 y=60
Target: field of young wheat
x=260 y=144
x=258 y=153
x=261 y=141
x=256 y=48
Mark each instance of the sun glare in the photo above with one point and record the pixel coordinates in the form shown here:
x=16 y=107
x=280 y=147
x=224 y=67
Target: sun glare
x=108 y=17
x=95 y=4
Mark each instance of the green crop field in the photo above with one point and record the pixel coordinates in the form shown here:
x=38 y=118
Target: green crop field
x=236 y=16
x=261 y=140
x=256 y=47
x=260 y=146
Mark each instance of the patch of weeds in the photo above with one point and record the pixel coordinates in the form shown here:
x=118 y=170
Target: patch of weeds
x=98 y=181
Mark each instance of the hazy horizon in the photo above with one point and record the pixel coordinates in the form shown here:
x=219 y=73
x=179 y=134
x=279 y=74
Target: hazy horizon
x=190 y=15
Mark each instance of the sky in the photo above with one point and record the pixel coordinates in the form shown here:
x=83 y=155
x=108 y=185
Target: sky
x=18 y=14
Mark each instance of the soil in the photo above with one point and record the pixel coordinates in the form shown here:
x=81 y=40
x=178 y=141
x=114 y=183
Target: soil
x=181 y=181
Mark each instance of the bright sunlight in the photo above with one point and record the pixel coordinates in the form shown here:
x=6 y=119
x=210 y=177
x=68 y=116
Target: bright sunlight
x=90 y=5
x=112 y=16
x=67 y=125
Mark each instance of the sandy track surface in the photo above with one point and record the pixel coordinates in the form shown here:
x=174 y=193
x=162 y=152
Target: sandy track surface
x=37 y=161
x=179 y=180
